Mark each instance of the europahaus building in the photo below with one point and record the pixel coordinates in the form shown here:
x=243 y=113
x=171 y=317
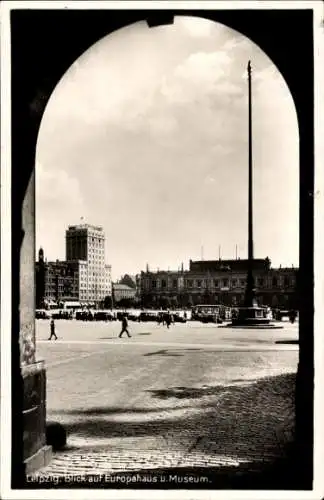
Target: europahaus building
x=83 y=276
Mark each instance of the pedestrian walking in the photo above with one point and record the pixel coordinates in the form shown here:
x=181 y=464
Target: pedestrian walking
x=52 y=330
x=292 y=316
x=124 y=323
x=168 y=320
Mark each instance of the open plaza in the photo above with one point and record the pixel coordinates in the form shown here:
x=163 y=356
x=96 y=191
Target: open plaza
x=196 y=397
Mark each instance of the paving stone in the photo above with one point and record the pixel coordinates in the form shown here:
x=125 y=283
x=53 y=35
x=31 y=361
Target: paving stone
x=180 y=408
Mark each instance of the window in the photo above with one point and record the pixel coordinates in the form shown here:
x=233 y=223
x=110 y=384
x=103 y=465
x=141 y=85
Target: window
x=234 y=282
x=199 y=283
x=225 y=283
x=189 y=283
x=163 y=283
x=286 y=281
x=261 y=282
x=274 y=281
x=154 y=284
x=174 y=283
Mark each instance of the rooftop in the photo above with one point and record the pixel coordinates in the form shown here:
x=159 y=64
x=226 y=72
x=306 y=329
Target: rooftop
x=84 y=226
x=119 y=286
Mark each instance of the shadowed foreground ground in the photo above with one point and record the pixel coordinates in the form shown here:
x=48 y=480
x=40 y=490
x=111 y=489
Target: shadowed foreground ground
x=243 y=439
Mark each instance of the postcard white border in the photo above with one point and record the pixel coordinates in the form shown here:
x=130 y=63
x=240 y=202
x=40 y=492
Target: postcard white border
x=6 y=7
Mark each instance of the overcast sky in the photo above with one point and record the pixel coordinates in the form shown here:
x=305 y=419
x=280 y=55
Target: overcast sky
x=146 y=134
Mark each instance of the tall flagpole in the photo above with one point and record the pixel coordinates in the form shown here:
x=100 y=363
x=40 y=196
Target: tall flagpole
x=250 y=291
x=250 y=314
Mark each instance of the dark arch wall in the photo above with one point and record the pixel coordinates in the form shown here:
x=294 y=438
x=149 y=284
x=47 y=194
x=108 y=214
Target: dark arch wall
x=45 y=43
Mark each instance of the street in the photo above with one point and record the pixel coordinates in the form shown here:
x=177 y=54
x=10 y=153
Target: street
x=195 y=396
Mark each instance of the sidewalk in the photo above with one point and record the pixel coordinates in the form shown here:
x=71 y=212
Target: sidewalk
x=232 y=431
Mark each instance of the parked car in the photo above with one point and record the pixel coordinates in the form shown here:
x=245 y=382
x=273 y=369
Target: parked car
x=103 y=316
x=121 y=314
x=62 y=315
x=42 y=314
x=84 y=315
x=178 y=317
x=134 y=315
x=280 y=314
x=148 y=316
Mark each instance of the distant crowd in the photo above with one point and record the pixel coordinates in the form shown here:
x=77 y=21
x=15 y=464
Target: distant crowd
x=165 y=317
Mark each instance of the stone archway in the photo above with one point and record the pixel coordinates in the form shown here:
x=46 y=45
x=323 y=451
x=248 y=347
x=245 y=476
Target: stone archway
x=39 y=61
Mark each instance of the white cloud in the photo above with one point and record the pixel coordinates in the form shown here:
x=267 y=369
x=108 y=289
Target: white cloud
x=195 y=26
x=162 y=124
x=150 y=140
x=270 y=72
x=52 y=185
x=204 y=66
x=201 y=75
x=236 y=43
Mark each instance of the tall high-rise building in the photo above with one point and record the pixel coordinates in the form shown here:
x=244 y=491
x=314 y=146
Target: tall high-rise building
x=83 y=276
x=86 y=243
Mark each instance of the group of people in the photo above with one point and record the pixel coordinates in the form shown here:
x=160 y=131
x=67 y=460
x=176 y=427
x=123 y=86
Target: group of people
x=166 y=318
x=124 y=329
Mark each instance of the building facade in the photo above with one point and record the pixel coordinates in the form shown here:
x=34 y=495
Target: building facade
x=133 y=281
x=83 y=276
x=212 y=282
x=57 y=281
x=123 y=292
x=85 y=244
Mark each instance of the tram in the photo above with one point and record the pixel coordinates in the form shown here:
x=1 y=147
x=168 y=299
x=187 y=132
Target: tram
x=210 y=313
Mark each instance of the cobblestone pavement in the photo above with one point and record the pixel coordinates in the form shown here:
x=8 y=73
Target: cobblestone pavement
x=136 y=406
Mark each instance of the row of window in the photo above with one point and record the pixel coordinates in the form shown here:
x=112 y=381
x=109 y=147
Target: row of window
x=98 y=280
x=95 y=272
x=102 y=287
x=62 y=287
x=95 y=295
x=94 y=267
x=95 y=237
x=225 y=283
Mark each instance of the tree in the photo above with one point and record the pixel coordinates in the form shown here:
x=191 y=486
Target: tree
x=207 y=297
x=126 y=302
x=165 y=302
x=128 y=280
x=146 y=300
x=108 y=302
x=174 y=302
